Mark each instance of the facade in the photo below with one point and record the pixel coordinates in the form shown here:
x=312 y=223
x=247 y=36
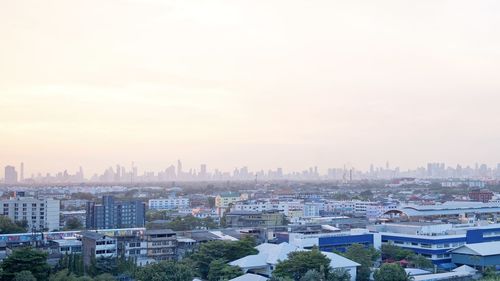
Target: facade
x=478 y=255
x=170 y=203
x=161 y=244
x=481 y=195
x=95 y=246
x=66 y=246
x=39 y=214
x=254 y=219
x=224 y=200
x=115 y=214
x=132 y=247
x=312 y=209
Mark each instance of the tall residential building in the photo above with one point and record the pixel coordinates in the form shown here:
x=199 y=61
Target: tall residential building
x=115 y=214
x=39 y=214
x=10 y=175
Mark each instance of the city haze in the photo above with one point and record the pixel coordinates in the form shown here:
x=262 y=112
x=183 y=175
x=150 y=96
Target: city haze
x=289 y=84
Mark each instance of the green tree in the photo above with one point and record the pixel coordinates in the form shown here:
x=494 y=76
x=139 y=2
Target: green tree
x=226 y=250
x=313 y=275
x=7 y=226
x=103 y=265
x=104 y=277
x=420 y=261
x=27 y=259
x=73 y=224
x=276 y=278
x=339 y=275
x=63 y=275
x=24 y=275
x=219 y=270
x=165 y=271
x=298 y=263
x=365 y=257
x=393 y=252
x=72 y=262
x=391 y=272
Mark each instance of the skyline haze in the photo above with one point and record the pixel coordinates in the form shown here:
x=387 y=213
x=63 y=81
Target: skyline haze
x=288 y=84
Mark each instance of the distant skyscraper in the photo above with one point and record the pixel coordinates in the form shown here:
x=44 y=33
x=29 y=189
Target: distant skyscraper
x=179 y=168
x=203 y=170
x=10 y=175
x=21 y=177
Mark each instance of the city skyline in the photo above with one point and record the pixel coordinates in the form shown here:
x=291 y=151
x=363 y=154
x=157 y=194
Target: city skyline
x=293 y=84
x=134 y=173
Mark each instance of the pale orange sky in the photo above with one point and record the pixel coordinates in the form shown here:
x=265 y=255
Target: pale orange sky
x=259 y=83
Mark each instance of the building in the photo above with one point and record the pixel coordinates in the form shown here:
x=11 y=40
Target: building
x=312 y=209
x=161 y=244
x=115 y=214
x=96 y=245
x=481 y=195
x=169 y=203
x=226 y=199
x=477 y=255
x=132 y=246
x=269 y=255
x=66 y=246
x=461 y=183
x=254 y=219
x=10 y=175
x=40 y=214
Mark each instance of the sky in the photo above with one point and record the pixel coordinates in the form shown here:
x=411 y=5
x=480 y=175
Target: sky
x=263 y=84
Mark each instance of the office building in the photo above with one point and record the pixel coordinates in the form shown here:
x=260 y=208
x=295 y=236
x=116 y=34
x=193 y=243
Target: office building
x=115 y=214
x=39 y=214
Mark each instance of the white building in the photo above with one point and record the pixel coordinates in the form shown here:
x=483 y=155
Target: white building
x=169 y=203
x=269 y=255
x=312 y=209
x=40 y=214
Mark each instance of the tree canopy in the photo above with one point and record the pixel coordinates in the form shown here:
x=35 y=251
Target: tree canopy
x=391 y=272
x=224 y=250
x=7 y=226
x=26 y=259
x=165 y=271
x=365 y=257
x=300 y=262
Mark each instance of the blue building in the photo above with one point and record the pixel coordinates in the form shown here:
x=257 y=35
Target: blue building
x=115 y=214
x=431 y=240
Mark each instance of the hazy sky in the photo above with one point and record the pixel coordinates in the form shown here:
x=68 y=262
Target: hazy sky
x=259 y=83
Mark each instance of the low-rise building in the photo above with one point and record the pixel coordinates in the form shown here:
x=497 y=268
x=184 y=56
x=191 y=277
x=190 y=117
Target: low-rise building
x=269 y=255
x=170 y=203
x=96 y=245
x=161 y=244
x=254 y=219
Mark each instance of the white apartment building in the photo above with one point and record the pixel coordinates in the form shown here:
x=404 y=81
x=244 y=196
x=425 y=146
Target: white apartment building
x=169 y=203
x=312 y=209
x=266 y=205
x=40 y=214
x=354 y=207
